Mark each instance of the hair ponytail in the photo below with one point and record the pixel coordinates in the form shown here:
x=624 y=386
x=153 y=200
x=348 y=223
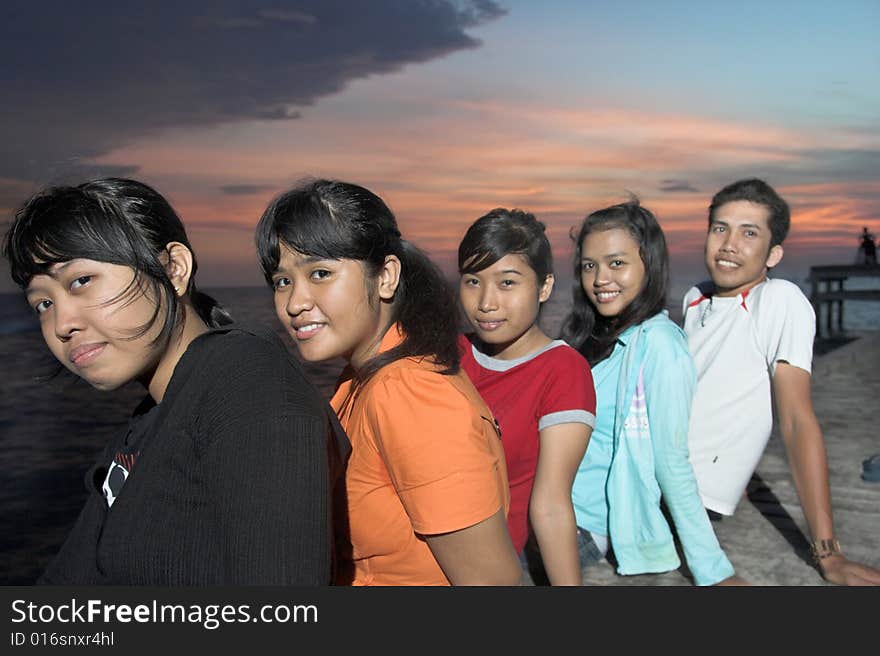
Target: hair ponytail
x=210 y=311
x=426 y=310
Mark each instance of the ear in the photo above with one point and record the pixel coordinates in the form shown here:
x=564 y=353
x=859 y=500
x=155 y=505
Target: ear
x=179 y=266
x=775 y=256
x=389 y=277
x=546 y=288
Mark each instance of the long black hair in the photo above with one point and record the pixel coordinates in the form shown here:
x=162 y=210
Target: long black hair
x=585 y=329
x=114 y=220
x=339 y=220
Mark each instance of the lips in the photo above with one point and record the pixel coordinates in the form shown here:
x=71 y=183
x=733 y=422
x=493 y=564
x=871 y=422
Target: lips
x=86 y=353
x=607 y=297
x=725 y=263
x=490 y=325
x=304 y=331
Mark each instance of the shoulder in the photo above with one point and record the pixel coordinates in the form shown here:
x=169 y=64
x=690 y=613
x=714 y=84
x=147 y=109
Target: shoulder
x=660 y=332
x=416 y=385
x=235 y=338
x=248 y=362
x=779 y=289
x=698 y=292
x=564 y=358
x=779 y=298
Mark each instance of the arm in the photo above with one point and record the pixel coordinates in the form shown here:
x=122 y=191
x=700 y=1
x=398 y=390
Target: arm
x=481 y=554
x=670 y=382
x=550 y=508
x=805 y=449
x=446 y=463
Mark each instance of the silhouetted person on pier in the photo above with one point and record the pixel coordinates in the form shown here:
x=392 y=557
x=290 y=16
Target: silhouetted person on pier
x=867 y=248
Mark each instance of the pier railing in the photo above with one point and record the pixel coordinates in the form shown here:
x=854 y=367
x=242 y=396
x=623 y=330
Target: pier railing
x=833 y=295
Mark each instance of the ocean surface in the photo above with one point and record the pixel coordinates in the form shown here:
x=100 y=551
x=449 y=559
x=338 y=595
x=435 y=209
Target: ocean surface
x=52 y=429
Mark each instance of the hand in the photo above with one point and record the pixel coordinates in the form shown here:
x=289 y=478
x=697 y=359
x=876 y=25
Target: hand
x=839 y=570
x=733 y=580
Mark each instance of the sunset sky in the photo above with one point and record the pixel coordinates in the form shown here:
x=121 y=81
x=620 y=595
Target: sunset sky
x=448 y=109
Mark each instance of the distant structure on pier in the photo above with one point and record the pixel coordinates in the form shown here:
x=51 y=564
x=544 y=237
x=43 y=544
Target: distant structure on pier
x=827 y=293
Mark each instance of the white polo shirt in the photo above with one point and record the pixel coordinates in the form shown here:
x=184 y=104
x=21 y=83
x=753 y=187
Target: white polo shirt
x=736 y=343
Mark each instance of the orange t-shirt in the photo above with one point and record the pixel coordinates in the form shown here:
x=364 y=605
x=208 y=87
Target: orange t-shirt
x=426 y=459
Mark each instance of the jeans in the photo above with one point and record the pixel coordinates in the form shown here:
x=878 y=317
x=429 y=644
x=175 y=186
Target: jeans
x=588 y=552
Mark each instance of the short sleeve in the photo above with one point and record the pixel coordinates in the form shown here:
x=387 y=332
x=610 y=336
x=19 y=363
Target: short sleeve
x=570 y=394
x=786 y=325
x=436 y=447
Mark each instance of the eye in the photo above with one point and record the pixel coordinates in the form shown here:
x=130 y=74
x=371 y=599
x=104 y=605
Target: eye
x=320 y=274
x=616 y=264
x=718 y=228
x=507 y=283
x=587 y=266
x=751 y=233
x=82 y=281
x=470 y=282
x=278 y=283
x=42 y=306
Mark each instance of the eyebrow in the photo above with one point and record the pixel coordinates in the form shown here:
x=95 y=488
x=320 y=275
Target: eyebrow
x=304 y=260
x=590 y=259
x=52 y=272
x=740 y=225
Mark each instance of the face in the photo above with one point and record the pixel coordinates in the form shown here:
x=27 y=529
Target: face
x=502 y=301
x=738 y=251
x=88 y=322
x=329 y=307
x=612 y=271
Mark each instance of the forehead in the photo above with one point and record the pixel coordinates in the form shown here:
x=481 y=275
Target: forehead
x=604 y=242
x=742 y=212
x=291 y=260
x=510 y=262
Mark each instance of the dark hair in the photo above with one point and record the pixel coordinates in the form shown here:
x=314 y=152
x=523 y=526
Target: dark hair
x=588 y=331
x=112 y=220
x=503 y=232
x=757 y=191
x=340 y=220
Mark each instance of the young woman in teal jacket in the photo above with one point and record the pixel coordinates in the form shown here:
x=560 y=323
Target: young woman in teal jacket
x=637 y=460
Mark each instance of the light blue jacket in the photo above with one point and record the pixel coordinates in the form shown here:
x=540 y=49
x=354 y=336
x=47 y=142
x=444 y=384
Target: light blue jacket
x=650 y=458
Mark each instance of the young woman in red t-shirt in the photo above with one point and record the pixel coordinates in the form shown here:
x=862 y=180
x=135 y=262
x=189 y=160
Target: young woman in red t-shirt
x=540 y=390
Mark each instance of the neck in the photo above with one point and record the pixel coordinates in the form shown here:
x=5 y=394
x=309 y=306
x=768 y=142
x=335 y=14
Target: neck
x=529 y=342
x=736 y=291
x=192 y=327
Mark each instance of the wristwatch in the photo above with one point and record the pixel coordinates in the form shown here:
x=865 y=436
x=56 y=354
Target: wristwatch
x=821 y=549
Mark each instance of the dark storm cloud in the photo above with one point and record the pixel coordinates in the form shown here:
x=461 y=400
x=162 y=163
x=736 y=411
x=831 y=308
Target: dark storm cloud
x=82 y=78
x=671 y=186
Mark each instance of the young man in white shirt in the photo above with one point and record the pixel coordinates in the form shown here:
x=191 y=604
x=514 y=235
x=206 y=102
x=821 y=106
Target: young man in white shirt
x=751 y=337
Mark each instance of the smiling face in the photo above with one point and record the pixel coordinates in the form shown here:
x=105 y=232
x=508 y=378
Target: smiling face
x=501 y=302
x=329 y=307
x=612 y=271
x=738 y=252
x=89 y=313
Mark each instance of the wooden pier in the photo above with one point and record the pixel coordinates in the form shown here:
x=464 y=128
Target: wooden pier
x=833 y=295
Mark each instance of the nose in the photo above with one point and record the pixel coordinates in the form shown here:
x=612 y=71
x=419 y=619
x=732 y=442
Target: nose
x=488 y=300
x=729 y=244
x=67 y=317
x=300 y=300
x=600 y=275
